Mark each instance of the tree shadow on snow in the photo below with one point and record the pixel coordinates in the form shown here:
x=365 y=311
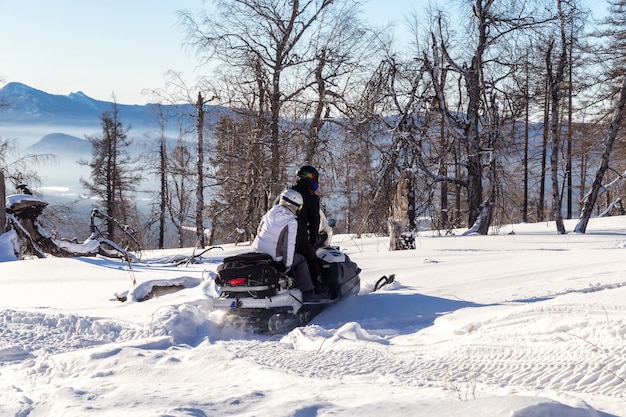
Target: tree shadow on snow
x=402 y=313
x=111 y=263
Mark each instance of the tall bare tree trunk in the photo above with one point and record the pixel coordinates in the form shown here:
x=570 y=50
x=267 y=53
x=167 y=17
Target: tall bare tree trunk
x=591 y=198
x=570 y=135
x=200 y=173
x=275 y=105
x=555 y=84
x=444 y=184
x=541 y=214
x=163 y=200
x=526 y=146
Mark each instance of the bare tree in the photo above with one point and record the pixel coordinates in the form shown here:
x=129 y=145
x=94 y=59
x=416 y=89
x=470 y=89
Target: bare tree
x=555 y=81
x=181 y=174
x=200 y=112
x=189 y=106
x=344 y=50
x=466 y=129
x=238 y=160
x=157 y=164
x=387 y=138
x=272 y=36
x=597 y=186
x=472 y=86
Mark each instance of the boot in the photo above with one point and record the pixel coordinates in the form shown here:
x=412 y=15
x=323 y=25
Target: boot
x=310 y=296
x=321 y=288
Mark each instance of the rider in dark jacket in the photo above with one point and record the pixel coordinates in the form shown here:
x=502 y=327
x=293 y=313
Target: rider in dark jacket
x=308 y=218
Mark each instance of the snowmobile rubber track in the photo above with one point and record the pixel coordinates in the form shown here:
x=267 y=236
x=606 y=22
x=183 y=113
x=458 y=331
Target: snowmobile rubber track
x=264 y=321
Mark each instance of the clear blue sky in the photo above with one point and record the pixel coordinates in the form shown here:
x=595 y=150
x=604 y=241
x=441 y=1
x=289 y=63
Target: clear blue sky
x=106 y=47
x=98 y=47
x=111 y=47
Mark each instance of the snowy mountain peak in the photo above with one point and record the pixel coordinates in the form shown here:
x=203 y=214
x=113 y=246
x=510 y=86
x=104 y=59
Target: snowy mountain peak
x=27 y=105
x=84 y=99
x=79 y=95
x=17 y=93
x=18 y=89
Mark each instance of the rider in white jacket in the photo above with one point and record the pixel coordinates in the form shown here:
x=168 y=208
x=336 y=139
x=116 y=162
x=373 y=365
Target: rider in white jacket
x=276 y=236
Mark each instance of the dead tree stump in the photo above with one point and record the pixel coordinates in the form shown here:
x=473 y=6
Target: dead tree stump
x=402 y=225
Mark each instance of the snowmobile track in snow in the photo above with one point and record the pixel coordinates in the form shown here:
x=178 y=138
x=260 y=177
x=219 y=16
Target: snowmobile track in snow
x=484 y=358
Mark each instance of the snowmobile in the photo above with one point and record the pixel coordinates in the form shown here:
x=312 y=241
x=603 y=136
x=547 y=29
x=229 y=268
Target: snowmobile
x=259 y=296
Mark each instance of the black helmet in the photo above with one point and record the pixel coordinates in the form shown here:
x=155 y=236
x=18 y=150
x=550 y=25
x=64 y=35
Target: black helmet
x=310 y=175
x=308 y=171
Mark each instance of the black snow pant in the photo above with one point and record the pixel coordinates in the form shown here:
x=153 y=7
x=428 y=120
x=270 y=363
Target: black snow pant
x=301 y=273
x=308 y=252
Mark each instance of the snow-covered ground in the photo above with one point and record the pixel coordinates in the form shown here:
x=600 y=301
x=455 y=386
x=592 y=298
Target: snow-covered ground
x=523 y=324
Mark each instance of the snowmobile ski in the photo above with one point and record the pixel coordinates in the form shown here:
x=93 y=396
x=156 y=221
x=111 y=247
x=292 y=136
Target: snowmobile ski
x=384 y=280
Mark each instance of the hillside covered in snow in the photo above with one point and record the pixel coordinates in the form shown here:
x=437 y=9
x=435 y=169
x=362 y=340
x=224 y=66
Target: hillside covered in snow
x=523 y=323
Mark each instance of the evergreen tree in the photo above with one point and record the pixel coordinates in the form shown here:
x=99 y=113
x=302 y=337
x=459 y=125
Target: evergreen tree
x=113 y=175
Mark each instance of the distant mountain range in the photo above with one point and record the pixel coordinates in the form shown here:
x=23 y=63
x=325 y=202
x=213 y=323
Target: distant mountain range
x=29 y=105
x=44 y=123
x=32 y=114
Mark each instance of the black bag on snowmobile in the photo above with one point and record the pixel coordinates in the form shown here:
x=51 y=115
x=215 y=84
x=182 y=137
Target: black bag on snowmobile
x=251 y=271
x=339 y=272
